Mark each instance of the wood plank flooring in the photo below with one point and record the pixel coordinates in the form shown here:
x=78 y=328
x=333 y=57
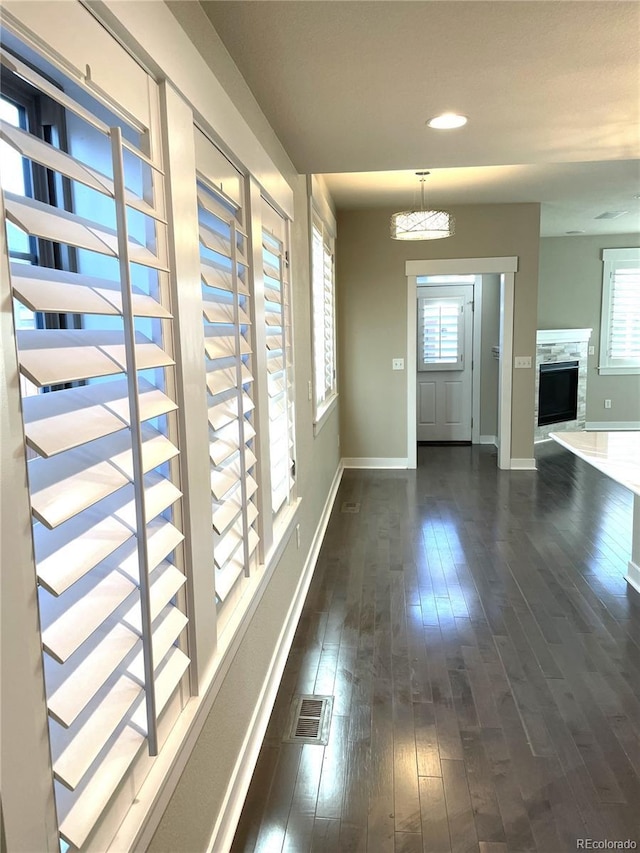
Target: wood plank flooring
x=483 y=650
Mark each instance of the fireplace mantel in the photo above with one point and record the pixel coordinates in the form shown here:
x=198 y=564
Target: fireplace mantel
x=562 y=336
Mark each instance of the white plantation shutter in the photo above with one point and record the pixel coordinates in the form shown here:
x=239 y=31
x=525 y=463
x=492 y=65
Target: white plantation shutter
x=106 y=538
x=624 y=342
x=323 y=316
x=227 y=311
x=279 y=339
x=440 y=339
x=620 y=333
x=329 y=321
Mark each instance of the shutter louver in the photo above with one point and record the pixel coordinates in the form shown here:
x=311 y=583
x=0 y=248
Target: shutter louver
x=102 y=433
x=43 y=289
x=228 y=352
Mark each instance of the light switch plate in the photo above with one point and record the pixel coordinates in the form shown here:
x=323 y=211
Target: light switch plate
x=522 y=361
x=592 y=350
x=397 y=363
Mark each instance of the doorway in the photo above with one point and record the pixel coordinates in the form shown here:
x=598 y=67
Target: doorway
x=444 y=403
x=505 y=267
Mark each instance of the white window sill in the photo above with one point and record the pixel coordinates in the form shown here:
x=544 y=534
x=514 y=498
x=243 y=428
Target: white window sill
x=619 y=371
x=323 y=412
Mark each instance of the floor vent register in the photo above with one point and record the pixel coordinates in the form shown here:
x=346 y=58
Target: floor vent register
x=309 y=719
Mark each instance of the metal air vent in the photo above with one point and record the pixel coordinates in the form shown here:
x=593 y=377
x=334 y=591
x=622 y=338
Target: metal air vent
x=309 y=719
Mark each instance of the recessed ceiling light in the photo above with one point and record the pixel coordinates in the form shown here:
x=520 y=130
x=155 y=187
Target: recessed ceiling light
x=574 y=232
x=447 y=121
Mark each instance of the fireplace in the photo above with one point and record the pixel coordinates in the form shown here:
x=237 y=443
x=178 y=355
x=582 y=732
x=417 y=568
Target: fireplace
x=560 y=381
x=558 y=392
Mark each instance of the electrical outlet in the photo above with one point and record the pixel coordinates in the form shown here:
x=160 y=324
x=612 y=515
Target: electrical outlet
x=607 y=404
x=397 y=363
x=592 y=350
x=522 y=361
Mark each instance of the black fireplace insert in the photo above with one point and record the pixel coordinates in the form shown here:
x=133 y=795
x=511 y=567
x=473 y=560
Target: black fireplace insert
x=558 y=394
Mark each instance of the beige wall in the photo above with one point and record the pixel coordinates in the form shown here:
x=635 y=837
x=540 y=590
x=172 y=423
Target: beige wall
x=570 y=296
x=372 y=317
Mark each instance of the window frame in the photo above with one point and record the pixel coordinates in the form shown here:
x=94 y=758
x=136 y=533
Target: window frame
x=612 y=260
x=53 y=189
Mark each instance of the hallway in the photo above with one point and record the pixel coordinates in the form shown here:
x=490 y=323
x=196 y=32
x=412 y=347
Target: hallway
x=483 y=652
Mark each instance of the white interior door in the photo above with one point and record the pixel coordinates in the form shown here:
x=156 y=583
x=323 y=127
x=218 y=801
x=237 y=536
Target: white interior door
x=444 y=369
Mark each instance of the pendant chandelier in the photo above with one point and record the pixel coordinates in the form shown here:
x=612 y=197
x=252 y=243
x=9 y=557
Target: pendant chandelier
x=422 y=224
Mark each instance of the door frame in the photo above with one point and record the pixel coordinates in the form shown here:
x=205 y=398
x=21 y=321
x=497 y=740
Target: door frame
x=506 y=267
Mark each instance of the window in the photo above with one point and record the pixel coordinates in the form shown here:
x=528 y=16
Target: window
x=620 y=319
x=23 y=108
x=228 y=351
x=15 y=176
x=279 y=346
x=102 y=483
x=138 y=382
x=16 y=179
x=324 y=337
x=440 y=338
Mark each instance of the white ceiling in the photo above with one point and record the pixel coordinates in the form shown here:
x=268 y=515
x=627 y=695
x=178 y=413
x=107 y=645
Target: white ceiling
x=551 y=89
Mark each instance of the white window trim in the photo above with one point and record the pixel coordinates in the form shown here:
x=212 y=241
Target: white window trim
x=610 y=259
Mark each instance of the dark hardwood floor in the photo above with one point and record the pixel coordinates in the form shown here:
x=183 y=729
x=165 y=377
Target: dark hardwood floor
x=483 y=649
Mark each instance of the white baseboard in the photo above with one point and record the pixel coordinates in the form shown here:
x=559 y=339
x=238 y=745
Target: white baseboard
x=489 y=439
x=375 y=462
x=633 y=575
x=612 y=425
x=523 y=465
x=225 y=828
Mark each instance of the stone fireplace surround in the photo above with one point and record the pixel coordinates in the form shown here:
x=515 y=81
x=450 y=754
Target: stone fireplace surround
x=553 y=346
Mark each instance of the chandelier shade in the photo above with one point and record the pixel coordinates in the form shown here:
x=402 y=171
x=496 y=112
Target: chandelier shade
x=422 y=224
